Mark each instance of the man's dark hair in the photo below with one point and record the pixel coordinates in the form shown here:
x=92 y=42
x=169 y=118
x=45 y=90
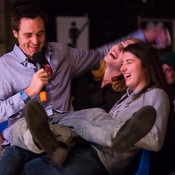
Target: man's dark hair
x=26 y=11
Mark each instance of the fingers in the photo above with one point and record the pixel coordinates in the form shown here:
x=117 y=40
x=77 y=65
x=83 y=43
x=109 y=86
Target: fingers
x=42 y=76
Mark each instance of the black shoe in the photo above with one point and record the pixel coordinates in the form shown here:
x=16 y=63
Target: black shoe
x=37 y=120
x=134 y=129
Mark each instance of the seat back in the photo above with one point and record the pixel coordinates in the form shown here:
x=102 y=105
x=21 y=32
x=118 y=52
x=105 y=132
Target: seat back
x=3 y=125
x=144 y=163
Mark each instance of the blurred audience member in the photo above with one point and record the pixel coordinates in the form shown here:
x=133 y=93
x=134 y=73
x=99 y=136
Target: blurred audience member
x=168 y=65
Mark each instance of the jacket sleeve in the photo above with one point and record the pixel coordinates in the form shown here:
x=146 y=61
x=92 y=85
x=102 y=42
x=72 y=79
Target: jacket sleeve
x=155 y=138
x=136 y=34
x=11 y=104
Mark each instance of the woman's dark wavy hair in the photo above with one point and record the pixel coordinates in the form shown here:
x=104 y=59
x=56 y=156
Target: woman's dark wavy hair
x=151 y=62
x=26 y=11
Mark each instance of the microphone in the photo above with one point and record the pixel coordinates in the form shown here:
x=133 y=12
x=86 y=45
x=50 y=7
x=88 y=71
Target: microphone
x=39 y=60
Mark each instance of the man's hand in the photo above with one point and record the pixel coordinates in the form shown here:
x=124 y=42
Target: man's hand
x=158 y=36
x=39 y=80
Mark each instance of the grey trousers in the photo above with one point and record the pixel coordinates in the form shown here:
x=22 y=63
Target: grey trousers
x=93 y=125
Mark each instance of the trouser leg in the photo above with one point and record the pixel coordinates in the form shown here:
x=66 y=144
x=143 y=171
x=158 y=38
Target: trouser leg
x=65 y=135
x=13 y=159
x=82 y=160
x=94 y=125
x=21 y=136
x=56 y=141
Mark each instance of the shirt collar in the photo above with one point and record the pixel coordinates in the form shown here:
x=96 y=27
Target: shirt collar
x=20 y=56
x=130 y=92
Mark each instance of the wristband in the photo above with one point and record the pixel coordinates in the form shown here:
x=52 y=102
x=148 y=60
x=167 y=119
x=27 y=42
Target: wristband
x=24 y=96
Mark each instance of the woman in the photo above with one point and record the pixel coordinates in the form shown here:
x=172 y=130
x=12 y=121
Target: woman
x=104 y=86
x=142 y=71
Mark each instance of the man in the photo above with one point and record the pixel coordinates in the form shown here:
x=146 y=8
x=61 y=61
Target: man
x=22 y=81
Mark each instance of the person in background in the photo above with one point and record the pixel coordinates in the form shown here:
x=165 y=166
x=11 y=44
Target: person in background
x=162 y=162
x=168 y=65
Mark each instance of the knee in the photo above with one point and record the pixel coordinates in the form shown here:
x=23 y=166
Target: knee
x=11 y=150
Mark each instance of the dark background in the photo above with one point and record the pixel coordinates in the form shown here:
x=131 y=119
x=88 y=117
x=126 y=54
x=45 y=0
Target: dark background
x=109 y=19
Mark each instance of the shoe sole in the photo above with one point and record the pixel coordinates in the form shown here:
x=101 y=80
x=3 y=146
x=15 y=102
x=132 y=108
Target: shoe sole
x=135 y=129
x=37 y=121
